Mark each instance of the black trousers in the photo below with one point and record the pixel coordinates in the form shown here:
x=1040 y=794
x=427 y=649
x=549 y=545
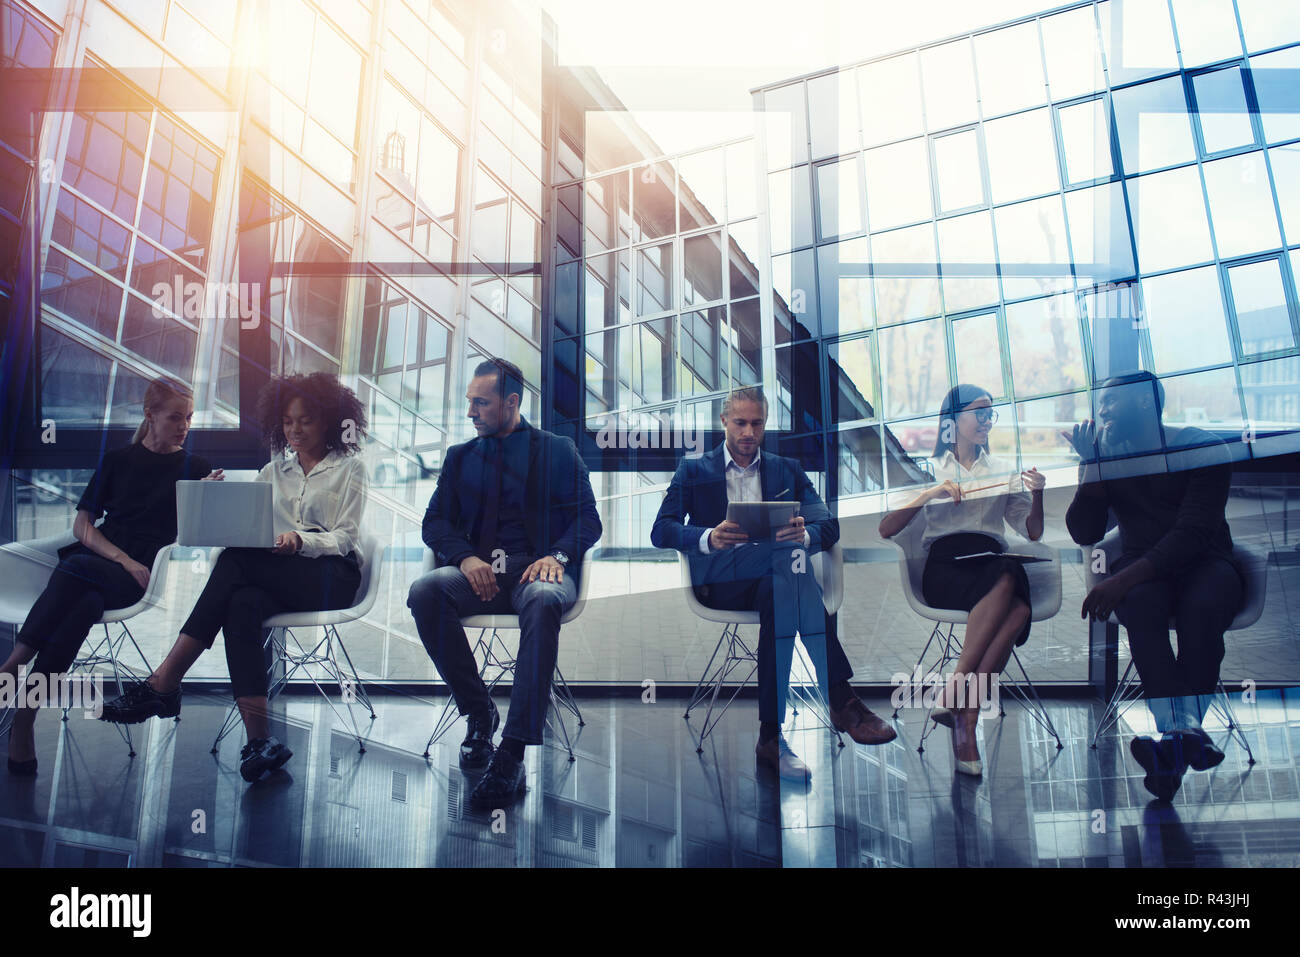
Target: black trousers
x=248 y=585
x=1201 y=602
x=84 y=585
x=757 y=578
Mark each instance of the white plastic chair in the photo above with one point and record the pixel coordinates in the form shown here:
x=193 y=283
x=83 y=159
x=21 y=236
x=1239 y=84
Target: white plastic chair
x=828 y=566
x=1129 y=688
x=493 y=653
x=1044 y=600
x=325 y=652
x=25 y=569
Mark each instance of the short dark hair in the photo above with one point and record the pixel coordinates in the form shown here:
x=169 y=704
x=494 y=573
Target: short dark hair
x=1133 y=378
x=751 y=393
x=509 y=377
x=324 y=396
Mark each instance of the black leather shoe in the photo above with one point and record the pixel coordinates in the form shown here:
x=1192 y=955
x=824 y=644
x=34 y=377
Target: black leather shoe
x=1164 y=772
x=139 y=703
x=1197 y=749
x=476 y=749
x=261 y=755
x=503 y=783
x=26 y=769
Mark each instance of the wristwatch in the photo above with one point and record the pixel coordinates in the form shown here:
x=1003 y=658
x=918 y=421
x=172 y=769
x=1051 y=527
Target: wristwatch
x=560 y=557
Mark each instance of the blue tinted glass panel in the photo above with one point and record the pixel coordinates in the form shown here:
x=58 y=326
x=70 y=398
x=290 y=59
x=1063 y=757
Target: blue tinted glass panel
x=1263 y=320
x=1043 y=337
x=1277 y=90
x=1022 y=156
x=1241 y=205
x=1032 y=248
x=1154 y=128
x=968 y=261
x=1221 y=110
x=1099 y=233
x=790 y=209
x=1207 y=31
x=1268 y=23
x=1169 y=219
x=1185 y=320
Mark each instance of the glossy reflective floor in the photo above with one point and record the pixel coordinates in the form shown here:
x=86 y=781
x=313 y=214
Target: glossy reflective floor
x=638 y=794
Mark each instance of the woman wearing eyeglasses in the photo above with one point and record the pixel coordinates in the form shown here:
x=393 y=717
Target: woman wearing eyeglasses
x=975 y=496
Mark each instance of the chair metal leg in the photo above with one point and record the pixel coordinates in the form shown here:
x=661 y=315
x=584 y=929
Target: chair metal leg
x=108 y=651
x=735 y=654
x=703 y=686
x=1223 y=704
x=1031 y=702
x=497 y=656
x=1127 y=690
x=817 y=696
x=448 y=718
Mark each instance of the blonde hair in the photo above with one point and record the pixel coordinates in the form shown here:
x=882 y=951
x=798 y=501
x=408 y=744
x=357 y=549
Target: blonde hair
x=160 y=391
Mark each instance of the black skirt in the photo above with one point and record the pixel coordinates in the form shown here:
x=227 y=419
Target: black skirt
x=947 y=583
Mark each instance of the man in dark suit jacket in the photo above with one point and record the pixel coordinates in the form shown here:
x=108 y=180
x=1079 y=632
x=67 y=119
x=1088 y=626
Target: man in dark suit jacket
x=730 y=572
x=511 y=517
x=1177 y=562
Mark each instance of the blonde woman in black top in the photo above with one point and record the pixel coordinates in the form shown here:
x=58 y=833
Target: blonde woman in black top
x=109 y=564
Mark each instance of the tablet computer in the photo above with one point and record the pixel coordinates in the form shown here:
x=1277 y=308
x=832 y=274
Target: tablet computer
x=232 y=514
x=762 y=520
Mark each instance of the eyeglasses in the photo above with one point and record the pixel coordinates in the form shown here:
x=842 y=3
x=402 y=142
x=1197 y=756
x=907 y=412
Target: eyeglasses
x=983 y=416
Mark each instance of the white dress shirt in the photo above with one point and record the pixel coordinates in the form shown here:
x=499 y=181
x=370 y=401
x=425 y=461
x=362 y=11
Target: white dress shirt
x=987 y=510
x=323 y=506
x=743 y=485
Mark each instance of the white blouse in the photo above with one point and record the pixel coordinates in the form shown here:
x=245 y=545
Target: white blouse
x=981 y=509
x=324 y=506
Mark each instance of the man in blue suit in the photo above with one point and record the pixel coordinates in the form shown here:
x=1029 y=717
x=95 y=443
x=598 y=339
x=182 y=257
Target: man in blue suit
x=729 y=572
x=511 y=517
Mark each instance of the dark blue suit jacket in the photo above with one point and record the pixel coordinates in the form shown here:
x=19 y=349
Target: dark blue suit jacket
x=696 y=501
x=559 y=507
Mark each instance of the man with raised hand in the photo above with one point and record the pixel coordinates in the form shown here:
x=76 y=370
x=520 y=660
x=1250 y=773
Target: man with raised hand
x=1168 y=488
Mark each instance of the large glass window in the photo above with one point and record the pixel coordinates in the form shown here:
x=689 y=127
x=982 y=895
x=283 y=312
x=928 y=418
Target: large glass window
x=1169 y=219
x=957 y=171
x=1185 y=320
x=1221 y=110
x=1277 y=93
x=948 y=82
x=898 y=185
x=1046 y=355
x=1085 y=141
x=1207 y=31
x=1022 y=156
x=1072 y=53
x=1241 y=205
x=1010 y=69
x=889 y=92
x=1153 y=124
x=968 y=261
x=1259 y=301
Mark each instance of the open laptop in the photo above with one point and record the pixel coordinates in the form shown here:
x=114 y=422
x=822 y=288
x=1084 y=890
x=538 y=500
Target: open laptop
x=233 y=514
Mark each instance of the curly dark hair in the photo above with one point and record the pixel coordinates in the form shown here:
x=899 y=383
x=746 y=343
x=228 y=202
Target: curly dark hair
x=325 y=397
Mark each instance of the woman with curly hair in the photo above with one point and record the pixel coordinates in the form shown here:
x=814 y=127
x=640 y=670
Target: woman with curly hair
x=313 y=425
